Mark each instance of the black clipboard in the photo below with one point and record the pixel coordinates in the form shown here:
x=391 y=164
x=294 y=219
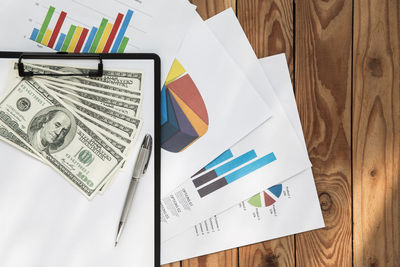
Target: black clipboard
x=101 y=58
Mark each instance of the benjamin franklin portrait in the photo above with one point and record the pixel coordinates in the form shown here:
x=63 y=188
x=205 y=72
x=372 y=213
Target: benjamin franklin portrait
x=51 y=129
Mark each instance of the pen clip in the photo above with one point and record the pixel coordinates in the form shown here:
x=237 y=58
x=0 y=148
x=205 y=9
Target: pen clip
x=149 y=148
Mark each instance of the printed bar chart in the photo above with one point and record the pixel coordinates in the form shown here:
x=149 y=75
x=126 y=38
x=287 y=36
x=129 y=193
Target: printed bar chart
x=236 y=174
x=108 y=36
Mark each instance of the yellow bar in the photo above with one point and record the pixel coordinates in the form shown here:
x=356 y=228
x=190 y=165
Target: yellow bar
x=104 y=38
x=75 y=39
x=46 y=37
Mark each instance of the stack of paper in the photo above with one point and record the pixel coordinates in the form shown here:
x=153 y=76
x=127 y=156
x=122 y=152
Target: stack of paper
x=259 y=188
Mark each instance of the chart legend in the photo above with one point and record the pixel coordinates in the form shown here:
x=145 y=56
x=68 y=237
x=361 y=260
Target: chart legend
x=105 y=38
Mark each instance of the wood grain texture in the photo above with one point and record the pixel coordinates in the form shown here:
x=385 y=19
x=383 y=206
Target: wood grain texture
x=209 y=8
x=323 y=45
x=175 y=264
x=274 y=253
x=268 y=25
x=376 y=133
x=220 y=259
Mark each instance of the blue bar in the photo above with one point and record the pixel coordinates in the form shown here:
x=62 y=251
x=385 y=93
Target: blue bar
x=242 y=159
x=164 y=115
x=60 y=42
x=250 y=168
x=90 y=40
x=34 y=34
x=122 y=31
x=221 y=158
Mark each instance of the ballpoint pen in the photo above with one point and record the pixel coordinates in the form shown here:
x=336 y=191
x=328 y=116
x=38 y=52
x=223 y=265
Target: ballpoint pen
x=139 y=169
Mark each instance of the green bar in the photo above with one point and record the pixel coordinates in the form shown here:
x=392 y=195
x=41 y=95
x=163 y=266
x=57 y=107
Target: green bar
x=68 y=38
x=45 y=24
x=124 y=42
x=98 y=36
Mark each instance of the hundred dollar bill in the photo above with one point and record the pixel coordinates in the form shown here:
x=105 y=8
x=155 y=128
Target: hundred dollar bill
x=121 y=105
x=129 y=82
x=60 y=136
x=94 y=105
x=10 y=138
x=94 y=89
x=118 y=125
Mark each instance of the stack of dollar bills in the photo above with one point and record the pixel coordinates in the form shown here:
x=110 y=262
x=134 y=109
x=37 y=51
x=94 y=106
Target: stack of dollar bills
x=82 y=127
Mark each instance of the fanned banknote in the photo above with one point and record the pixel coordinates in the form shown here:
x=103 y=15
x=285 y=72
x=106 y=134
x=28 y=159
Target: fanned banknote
x=84 y=128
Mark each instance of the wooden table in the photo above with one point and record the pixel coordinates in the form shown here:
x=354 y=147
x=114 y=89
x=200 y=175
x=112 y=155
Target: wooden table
x=344 y=59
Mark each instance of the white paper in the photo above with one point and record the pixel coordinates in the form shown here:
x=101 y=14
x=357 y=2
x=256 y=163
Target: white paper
x=46 y=222
x=156 y=26
x=234 y=107
x=296 y=209
x=187 y=205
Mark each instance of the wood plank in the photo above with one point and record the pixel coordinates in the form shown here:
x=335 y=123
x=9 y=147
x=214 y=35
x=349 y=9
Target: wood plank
x=269 y=27
x=323 y=43
x=277 y=252
x=227 y=258
x=209 y=8
x=376 y=133
x=175 y=264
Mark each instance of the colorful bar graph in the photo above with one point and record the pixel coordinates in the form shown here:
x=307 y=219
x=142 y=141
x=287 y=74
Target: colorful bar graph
x=68 y=38
x=90 y=40
x=104 y=38
x=122 y=31
x=45 y=24
x=113 y=33
x=46 y=37
x=122 y=47
x=57 y=29
x=99 y=33
x=60 y=42
x=81 y=40
x=74 y=39
x=34 y=34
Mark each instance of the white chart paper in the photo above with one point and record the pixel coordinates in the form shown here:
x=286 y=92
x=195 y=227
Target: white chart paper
x=288 y=208
x=268 y=155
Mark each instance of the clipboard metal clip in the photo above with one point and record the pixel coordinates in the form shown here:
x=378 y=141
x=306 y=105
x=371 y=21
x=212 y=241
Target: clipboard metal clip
x=23 y=73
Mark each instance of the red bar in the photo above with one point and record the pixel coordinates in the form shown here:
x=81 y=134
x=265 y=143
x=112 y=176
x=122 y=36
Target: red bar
x=113 y=32
x=81 y=40
x=56 y=30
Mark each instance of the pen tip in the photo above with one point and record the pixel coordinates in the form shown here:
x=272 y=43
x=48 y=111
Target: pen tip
x=115 y=243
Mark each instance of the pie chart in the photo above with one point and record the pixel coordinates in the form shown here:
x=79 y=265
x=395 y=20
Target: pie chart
x=266 y=198
x=184 y=117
